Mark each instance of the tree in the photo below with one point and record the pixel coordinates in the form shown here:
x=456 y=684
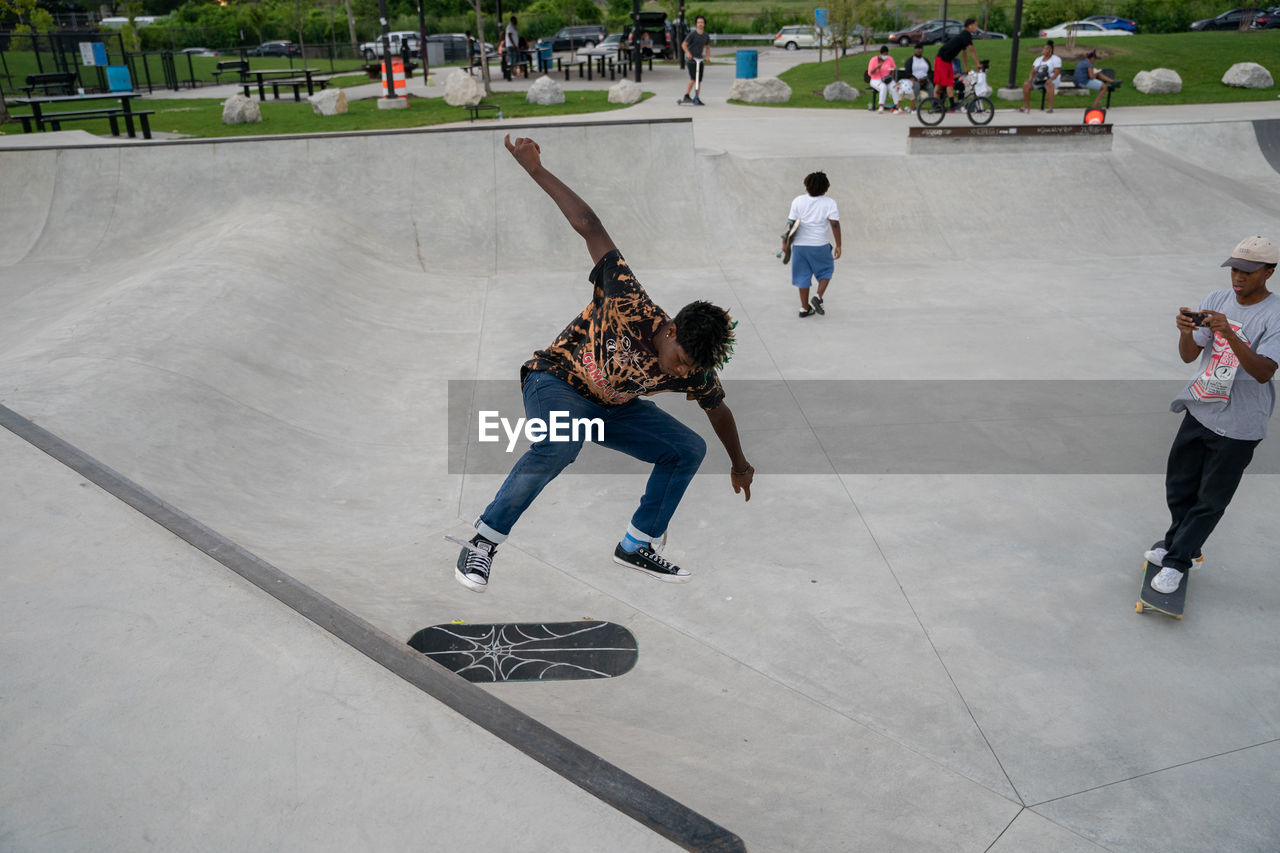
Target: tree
x=484 y=56
x=31 y=19
x=844 y=31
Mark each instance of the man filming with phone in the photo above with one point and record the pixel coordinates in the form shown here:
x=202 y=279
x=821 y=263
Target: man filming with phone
x=1235 y=334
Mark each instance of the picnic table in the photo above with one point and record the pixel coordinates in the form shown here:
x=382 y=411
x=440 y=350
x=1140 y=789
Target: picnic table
x=40 y=117
x=308 y=79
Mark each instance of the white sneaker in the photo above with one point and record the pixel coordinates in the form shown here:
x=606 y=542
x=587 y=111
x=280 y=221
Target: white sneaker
x=880 y=110
x=1167 y=581
x=1156 y=558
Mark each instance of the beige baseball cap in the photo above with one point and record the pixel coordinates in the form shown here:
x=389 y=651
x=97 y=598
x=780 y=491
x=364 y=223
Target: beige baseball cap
x=1253 y=253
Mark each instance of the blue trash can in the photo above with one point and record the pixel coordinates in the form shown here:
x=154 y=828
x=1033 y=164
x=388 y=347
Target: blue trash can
x=747 y=64
x=545 y=57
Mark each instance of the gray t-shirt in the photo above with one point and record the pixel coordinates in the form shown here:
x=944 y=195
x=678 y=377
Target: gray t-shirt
x=697 y=42
x=1081 y=75
x=1223 y=396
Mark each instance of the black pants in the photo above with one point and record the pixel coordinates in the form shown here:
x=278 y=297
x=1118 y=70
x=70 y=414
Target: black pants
x=1204 y=470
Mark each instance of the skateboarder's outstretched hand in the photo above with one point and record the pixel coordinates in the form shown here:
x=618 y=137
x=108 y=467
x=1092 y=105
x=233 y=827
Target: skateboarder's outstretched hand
x=526 y=152
x=742 y=481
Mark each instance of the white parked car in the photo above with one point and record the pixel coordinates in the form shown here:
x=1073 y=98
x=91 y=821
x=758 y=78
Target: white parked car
x=609 y=47
x=1080 y=29
x=800 y=35
x=373 y=49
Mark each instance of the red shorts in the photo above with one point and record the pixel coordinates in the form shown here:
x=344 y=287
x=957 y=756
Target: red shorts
x=944 y=73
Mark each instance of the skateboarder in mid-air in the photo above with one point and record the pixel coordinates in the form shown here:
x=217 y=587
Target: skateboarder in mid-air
x=620 y=348
x=1236 y=336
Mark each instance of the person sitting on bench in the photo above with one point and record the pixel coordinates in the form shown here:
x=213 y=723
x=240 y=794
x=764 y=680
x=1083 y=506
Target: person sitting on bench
x=1045 y=72
x=1089 y=77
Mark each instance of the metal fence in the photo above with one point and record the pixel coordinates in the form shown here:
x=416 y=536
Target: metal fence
x=24 y=54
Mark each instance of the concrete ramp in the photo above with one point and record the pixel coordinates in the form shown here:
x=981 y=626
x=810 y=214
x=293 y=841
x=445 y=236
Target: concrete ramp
x=262 y=332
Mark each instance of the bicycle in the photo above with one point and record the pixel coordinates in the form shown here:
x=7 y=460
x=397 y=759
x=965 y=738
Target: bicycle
x=977 y=107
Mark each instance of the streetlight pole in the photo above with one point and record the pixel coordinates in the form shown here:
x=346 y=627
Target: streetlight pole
x=1017 y=33
x=636 y=50
x=422 y=47
x=390 y=101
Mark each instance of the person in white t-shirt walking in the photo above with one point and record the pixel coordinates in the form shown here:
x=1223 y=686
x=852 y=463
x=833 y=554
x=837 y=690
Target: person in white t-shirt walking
x=811 y=254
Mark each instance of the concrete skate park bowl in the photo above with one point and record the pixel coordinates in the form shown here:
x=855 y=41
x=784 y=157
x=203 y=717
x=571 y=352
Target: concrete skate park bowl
x=873 y=655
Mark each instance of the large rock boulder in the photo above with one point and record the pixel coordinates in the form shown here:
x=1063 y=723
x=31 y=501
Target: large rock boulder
x=1158 y=81
x=544 y=92
x=625 y=92
x=1248 y=75
x=840 y=91
x=240 y=110
x=330 y=102
x=462 y=90
x=762 y=90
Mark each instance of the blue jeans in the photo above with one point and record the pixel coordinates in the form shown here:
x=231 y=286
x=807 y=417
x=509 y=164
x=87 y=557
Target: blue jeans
x=637 y=428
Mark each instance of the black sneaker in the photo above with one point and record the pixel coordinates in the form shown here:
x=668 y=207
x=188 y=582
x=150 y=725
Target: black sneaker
x=650 y=563
x=816 y=302
x=808 y=312
x=474 y=562
x=688 y=100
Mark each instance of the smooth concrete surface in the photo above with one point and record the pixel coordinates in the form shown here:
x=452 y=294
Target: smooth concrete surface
x=864 y=660
x=153 y=700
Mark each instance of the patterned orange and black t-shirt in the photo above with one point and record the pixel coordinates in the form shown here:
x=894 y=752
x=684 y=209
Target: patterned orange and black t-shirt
x=606 y=353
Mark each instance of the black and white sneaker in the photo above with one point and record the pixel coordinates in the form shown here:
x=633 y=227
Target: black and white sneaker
x=646 y=560
x=474 y=562
x=816 y=302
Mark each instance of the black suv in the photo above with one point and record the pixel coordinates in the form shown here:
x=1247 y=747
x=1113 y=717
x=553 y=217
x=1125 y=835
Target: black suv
x=659 y=29
x=570 y=38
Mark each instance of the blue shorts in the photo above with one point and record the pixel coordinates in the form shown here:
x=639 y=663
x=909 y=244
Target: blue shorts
x=1095 y=84
x=811 y=262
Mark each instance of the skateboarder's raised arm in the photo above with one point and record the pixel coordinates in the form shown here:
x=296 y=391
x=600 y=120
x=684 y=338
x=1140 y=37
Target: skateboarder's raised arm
x=578 y=212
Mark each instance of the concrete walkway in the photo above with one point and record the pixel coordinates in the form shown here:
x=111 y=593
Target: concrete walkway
x=918 y=635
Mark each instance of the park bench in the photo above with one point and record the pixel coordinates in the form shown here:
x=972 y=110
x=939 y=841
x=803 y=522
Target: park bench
x=475 y=109
x=51 y=82
x=111 y=114
x=228 y=66
x=374 y=71
x=1067 y=83
x=566 y=66
x=297 y=84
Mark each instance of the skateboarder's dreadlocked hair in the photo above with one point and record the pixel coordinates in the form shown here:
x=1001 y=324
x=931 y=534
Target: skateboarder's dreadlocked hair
x=705 y=332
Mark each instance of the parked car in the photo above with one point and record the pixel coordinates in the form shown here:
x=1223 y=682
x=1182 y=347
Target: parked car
x=1269 y=20
x=801 y=35
x=199 y=51
x=659 y=29
x=1230 y=20
x=914 y=35
x=1080 y=29
x=455 y=46
x=612 y=45
x=572 y=38
x=372 y=50
x=276 y=48
x=1113 y=22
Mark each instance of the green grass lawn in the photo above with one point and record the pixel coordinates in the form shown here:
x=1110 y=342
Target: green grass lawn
x=1200 y=58
x=200 y=117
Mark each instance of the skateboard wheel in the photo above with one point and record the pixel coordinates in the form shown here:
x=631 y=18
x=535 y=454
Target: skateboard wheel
x=1139 y=607
x=1178 y=617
